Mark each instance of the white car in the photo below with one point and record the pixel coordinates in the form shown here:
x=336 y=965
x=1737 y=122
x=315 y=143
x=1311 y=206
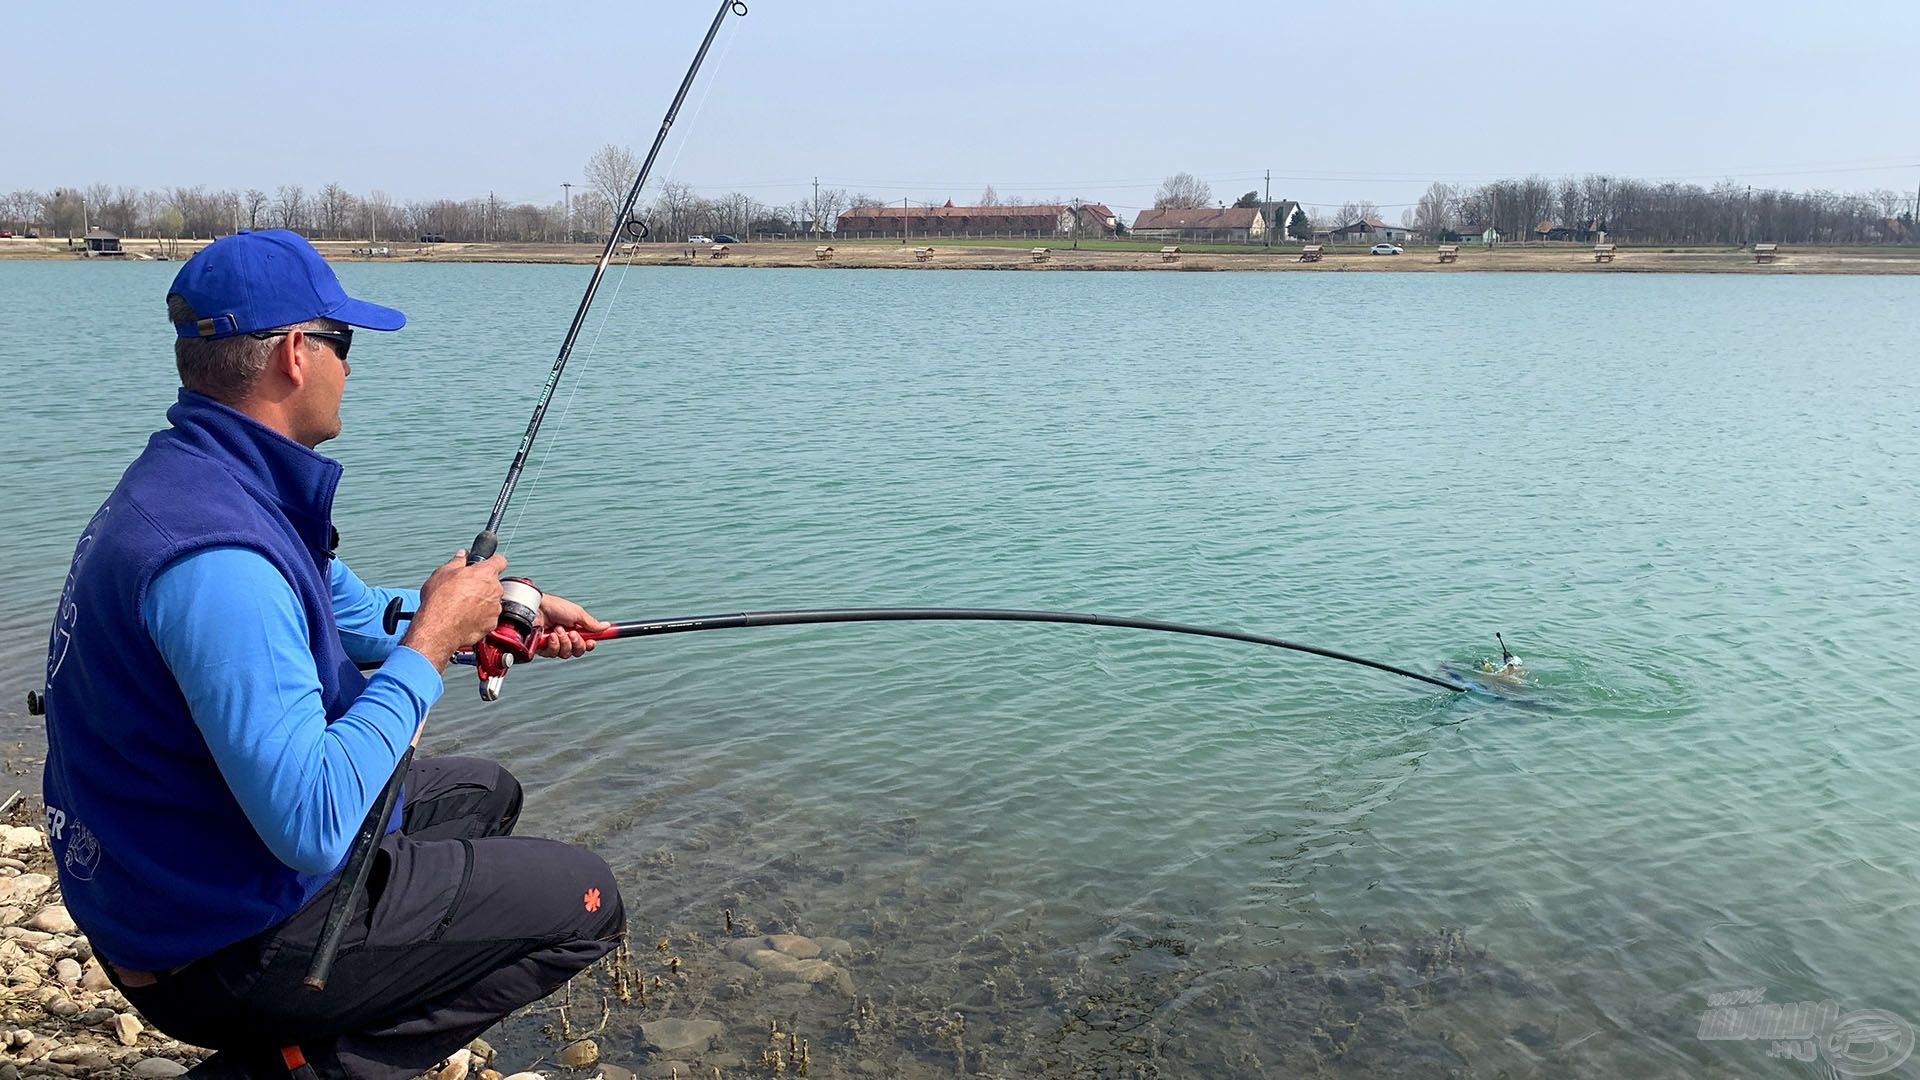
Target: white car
x=1385 y=249
x=699 y=239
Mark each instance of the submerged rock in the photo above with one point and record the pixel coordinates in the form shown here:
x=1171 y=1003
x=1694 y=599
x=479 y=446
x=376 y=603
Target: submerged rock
x=580 y=1054
x=670 y=1036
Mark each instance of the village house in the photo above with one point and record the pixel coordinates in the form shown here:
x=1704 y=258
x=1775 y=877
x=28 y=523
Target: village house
x=1233 y=223
x=1045 y=220
x=1370 y=230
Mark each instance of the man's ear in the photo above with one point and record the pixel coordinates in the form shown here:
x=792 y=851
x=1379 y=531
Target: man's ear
x=290 y=357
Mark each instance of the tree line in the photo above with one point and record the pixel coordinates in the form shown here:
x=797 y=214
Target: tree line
x=1644 y=212
x=1637 y=211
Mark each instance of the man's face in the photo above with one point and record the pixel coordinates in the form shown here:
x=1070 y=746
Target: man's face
x=326 y=385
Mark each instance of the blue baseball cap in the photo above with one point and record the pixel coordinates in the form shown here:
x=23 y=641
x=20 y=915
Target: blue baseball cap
x=261 y=280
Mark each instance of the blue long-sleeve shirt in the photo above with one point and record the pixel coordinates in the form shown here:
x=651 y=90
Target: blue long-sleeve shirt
x=231 y=631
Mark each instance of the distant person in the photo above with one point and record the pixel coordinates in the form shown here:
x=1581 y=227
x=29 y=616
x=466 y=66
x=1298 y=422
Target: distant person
x=213 y=745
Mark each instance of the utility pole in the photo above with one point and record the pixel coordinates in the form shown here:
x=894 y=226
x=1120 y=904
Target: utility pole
x=903 y=219
x=816 y=204
x=1268 y=204
x=568 y=188
x=1076 y=223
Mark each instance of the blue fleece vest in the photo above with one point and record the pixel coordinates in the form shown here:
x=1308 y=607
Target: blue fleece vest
x=157 y=862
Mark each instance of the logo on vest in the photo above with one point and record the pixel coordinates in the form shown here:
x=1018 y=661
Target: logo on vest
x=83 y=853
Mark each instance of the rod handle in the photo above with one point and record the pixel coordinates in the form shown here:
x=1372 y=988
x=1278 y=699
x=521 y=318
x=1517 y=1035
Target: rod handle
x=483 y=547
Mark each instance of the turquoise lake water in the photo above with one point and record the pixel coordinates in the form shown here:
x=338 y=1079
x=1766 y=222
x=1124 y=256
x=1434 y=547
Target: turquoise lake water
x=1688 y=502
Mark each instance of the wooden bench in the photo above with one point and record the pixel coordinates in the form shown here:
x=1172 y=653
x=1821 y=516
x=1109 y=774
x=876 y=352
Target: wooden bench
x=1603 y=252
x=1042 y=254
x=1765 y=253
x=719 y=252
x=923 y=254
x=1449 y=252
x=1312 y=252
x=1170 y=253
x=823 y=252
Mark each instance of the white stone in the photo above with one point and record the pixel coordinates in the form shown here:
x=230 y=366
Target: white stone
x=127 y=1028
x=528 y=1076
x=25 y=889
x=93 y=978
x=54 y=920
x=20 y=838
x=157 y=1068
x=581 y=1054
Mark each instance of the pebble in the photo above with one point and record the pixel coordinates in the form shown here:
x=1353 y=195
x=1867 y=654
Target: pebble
x=833 y=948
x=11 y=914
x=490 y=1074
x=20 y=838
x=9 y=1071
x=92 y=978
x=127 y=1028
x=671 y=1036
x=93 y=1017
x=526 y=1076
x=68 y=972
x=63 y=1007
x=580 y=1054
x=615 y=1072
x=54 y=920
x=87 y=1057
x=456 y=1067
x=157 y=1068
x=25 y=889
x=20 y=1037
x=481 y=1049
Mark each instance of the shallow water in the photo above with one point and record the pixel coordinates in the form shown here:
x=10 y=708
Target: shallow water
x=1688 y=502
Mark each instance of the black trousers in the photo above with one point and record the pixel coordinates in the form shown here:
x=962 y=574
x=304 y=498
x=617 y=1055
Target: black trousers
x=461 y=924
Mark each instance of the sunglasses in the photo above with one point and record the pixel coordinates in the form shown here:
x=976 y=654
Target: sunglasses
x=342 y=339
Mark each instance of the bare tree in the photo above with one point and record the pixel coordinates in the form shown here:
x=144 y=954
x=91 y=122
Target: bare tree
x=610 y=173
x=65 y=212
x=989 y=197
x=1359 y=210
x=256 y=204
x=1435 y=213
x=292 y=205
x=335 y=204
x=1182 y=190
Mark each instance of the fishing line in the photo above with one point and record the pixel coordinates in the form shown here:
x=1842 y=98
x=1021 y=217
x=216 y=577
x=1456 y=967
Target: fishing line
x=619 y=283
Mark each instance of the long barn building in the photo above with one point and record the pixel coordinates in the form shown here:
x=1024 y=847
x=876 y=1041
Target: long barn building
x=1048 y=220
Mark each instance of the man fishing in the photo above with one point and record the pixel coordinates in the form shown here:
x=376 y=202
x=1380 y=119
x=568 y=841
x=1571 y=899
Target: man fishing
x=213 y=744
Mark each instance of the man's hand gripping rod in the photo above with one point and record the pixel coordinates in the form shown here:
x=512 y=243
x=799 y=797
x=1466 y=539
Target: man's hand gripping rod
x=512 y=639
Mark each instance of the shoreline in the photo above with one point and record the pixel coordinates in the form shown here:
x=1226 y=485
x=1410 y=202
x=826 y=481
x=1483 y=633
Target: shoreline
x=1010 y=255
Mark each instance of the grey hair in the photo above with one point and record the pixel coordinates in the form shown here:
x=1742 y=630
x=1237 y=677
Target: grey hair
x=224 y=368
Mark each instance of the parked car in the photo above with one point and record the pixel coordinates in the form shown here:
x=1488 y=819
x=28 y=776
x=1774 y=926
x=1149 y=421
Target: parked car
x=725 y=238
x=1385 y=249
x=433 y=238
x=31 y=235
x=6 y=234
x=696 y=238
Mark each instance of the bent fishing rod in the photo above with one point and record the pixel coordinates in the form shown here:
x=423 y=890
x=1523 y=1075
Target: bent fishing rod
x=520 y=602
x=812 y=616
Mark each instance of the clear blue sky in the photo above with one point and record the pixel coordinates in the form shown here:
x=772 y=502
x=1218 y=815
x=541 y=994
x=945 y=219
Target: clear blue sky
x=1356 y=99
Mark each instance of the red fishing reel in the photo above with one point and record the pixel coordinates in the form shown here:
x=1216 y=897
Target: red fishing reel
x=513 y=640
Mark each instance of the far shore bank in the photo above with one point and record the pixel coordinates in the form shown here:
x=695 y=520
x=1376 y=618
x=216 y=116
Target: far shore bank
x=964 y=254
